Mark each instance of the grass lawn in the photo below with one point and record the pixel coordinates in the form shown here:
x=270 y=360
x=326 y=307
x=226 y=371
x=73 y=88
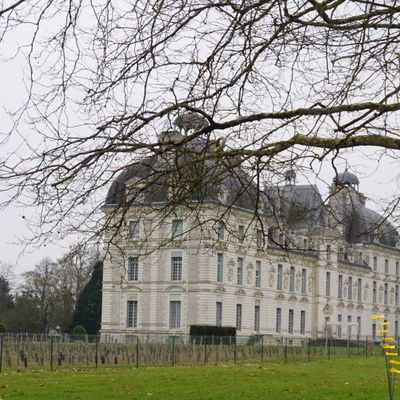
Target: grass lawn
x=355 y=378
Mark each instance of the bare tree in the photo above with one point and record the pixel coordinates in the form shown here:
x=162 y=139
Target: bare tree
x=276 y=83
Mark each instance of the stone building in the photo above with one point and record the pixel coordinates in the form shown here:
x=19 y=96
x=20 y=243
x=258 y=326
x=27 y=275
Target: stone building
x=279 y=262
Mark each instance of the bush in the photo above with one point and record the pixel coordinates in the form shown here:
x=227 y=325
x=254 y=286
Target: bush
x=79 y=330
x=212 y=330
x=3 y=328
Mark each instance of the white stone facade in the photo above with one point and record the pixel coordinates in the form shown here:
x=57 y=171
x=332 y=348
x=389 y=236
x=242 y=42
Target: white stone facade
x=297 y=293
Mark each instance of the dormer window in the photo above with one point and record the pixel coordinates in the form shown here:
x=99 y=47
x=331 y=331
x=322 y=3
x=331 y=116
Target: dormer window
x=176 y=228
x=134 y=230
x=223 y=195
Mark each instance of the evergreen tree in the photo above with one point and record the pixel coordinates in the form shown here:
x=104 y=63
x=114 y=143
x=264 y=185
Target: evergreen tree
x=6 y=298
x=88 y=307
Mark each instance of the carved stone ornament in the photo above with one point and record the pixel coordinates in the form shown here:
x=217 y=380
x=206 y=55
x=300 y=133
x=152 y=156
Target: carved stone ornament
x=328 y=310
x=230 y=274
x=366 y=287
x=240 y=292
x=220 y=289
x=304 y=300
x=375 y=309
x=280 y=296
x=292 y=297
x=386 y=310
x=249 y=277
x=350 y=305
x=340 y=304
x=360 y=307
x=258 y=293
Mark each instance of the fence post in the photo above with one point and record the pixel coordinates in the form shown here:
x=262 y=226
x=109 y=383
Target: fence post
x=285 y=350
x=309 y=349
x=137 y=351
x=234 y=350
x=205 y=352
x=1 y=351
x=366 y=346
x=173 y=350
x=348 y=346
x=262 y=349
x=51 y=352
x=97 y=351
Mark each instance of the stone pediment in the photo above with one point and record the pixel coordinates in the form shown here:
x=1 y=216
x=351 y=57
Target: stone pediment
x=132 y=287
x=386 y=310
x=258 y=293
x=360 y=307
x=280 y=296
x=240 y=292
x=175 y=288
x=340 y=304
x=375 y=309
x=304 y=300
x=220 y=289
x=292 y=297
x=350 y=305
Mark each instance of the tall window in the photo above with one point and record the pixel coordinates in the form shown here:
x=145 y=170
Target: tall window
x=305 y=244
x=241 y=233
x=374 y=291
x=339 y=325
x=259 y=238
x=328 y=284
x=328 y=252
x=396 y=329
x=385 y=297
x=239 y=317
x=386 y=266
x=397 y=268
x=279 y=277
x=176 y=268
x=302 y=322
x=240 y=271
x=218 y=318
x=374 y=331
x=258 y=273
x=303 y=280
x=278 y=325
x=396 y=296
x=221 y=230
x=220 y=267
x=291 y=279
x=174 y=314
x=133 y=268
x=340 y=286
x=132 y=310
x=375 y=263
x=290 y=321
x=359 y=289
x=350 y=291
x=257 y=316
x=349 y=326
x=177 y=228
x=358 y=326
x=134 y=229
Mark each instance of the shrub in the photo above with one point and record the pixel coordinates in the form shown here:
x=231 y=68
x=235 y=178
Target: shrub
x=212 y=330
x=3 y=328
x=79 y=330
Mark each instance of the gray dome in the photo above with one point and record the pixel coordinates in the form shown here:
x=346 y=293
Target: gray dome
x=177 y=177
x=346 y=178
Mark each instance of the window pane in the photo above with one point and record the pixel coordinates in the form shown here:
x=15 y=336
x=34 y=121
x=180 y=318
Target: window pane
x=134 y=229
x=220 y=267
x=176 y=268
x=132 y=314
x=177 y=227
x=240 y=271
x=238 y=317
x=175 y=314
x=258 y=273
x=218 y=318
x=279 y=278
x=303 y=280
x=133 y=268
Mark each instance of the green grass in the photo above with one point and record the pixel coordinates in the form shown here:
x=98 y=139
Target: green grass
x=353 y=378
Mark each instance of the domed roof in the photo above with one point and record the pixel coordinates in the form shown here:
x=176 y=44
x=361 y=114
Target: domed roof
x=179 y=177
x=346 y=178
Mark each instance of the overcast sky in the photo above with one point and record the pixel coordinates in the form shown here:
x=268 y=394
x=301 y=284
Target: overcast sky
x=377 y=179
